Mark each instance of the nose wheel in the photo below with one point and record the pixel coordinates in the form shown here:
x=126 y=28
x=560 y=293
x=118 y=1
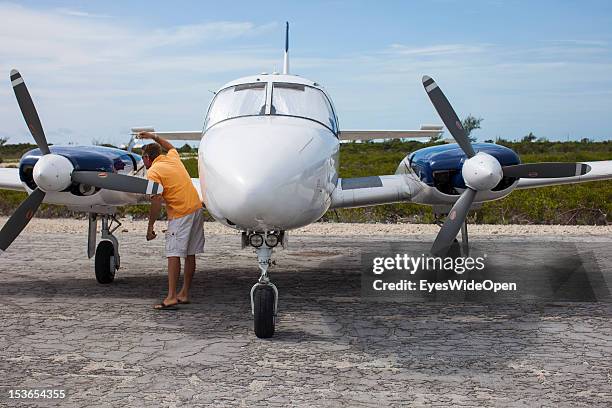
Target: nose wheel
x=264 y=297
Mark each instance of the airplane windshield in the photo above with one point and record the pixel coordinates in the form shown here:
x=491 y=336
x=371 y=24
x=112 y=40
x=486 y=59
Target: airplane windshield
x=239 y=100
x=304 y=101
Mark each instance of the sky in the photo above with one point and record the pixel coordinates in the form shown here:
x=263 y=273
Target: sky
x=97 y=68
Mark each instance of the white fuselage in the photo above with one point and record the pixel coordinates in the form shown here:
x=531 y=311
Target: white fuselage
x=268 y=172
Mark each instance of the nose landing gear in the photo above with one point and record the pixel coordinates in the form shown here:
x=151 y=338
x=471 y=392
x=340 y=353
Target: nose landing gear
x=264 y=297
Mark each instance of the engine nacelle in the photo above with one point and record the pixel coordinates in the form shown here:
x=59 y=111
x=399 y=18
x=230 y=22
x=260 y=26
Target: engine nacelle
x=442 y=167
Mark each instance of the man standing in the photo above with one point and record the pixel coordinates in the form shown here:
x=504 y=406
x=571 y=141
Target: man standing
x=185 y=234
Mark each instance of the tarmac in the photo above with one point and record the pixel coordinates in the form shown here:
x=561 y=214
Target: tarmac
x=104 y=345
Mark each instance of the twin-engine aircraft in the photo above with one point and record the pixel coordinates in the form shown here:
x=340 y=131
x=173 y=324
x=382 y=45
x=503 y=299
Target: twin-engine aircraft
x=268 y=163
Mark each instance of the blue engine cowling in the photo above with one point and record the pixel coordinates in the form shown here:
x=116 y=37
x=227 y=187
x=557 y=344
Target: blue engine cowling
x=92 y=158
x=440 y=166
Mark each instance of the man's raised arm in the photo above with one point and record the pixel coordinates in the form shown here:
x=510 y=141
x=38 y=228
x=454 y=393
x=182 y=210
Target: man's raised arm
x=166 y=145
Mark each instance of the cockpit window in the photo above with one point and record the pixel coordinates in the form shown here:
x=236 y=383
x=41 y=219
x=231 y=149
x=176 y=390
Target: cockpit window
x=240 y=100
x=304 y=101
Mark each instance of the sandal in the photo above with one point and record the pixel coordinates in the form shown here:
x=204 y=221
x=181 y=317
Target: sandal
x=164 y=306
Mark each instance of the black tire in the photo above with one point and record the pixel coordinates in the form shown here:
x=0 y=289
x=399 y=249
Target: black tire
x=105 y=271
x=263 y=323
x=455 y=250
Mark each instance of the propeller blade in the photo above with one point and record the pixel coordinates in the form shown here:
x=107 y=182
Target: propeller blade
x=453 y=223
x=20 y=218
x=29 y=111
x=448 y=115
x=546 y=170
x=117 y=182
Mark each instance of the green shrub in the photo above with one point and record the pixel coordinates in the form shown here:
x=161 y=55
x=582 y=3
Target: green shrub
x=589 y=203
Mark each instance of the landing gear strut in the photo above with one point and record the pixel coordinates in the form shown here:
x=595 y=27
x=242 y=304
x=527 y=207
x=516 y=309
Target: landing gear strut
x=465 y=245
x=264 y=297
x=107 y=259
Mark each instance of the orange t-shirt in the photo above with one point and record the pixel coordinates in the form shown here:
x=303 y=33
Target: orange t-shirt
x=180 y=195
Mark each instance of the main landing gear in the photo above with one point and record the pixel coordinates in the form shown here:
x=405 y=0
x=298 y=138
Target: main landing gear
x=264 y=294
x=107 y=259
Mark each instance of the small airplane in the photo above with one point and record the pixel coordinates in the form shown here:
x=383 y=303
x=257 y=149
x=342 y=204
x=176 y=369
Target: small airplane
x=268 y=163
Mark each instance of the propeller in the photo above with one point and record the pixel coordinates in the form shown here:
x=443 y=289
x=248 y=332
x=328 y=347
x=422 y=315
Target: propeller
x=448 y=115
x=54 y=172
x=117 y=182
x=29 y=111
x=20 y=218
x=453 y=223
x=481 y=171
x=546 y=170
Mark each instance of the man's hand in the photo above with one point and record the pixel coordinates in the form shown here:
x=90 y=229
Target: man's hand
x=151 y=233
x=147 y=135
x=153 y=136
x=156 y=204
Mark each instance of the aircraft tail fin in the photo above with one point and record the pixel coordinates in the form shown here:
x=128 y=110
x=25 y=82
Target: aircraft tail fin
x=286 y=62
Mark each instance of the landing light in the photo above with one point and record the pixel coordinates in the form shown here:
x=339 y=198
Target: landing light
x=256 y=240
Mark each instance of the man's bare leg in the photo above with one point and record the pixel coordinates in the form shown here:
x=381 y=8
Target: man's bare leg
x=174 y=270
x=190 y=263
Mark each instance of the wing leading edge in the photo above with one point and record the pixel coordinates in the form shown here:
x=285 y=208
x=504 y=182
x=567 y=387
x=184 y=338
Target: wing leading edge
x=175 y=135
x=376 y=190
x=9 y=180
x=425 y=131
x=373 y=190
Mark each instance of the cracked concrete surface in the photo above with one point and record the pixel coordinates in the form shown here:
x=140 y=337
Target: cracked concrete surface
x=105 y=346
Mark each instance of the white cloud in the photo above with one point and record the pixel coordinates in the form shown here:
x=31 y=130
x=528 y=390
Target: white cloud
x=93 y=74
x=436 y=50
x=93 y=77
x=79 y=13
x=220 y=30
x=66 y=39
x=575 y=42
x=554 y=88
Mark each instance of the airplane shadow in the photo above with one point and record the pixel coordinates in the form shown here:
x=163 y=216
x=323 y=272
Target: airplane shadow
x=324 y=302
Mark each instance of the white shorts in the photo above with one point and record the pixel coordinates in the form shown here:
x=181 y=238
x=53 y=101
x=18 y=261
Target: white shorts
x=185 y=235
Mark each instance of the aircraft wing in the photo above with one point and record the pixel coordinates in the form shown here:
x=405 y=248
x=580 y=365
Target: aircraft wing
x=176 y=135
x=196 y=184
x=9 y=180
x=374 y=190
x=425 y=131
x=600 y=170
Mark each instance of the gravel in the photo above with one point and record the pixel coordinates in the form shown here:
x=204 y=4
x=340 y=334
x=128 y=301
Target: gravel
x=43 y=225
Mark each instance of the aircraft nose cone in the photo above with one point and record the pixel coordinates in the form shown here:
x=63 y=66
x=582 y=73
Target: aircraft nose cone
x=259 y=177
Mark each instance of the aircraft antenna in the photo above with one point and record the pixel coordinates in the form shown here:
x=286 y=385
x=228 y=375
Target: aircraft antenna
x=286 y=64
